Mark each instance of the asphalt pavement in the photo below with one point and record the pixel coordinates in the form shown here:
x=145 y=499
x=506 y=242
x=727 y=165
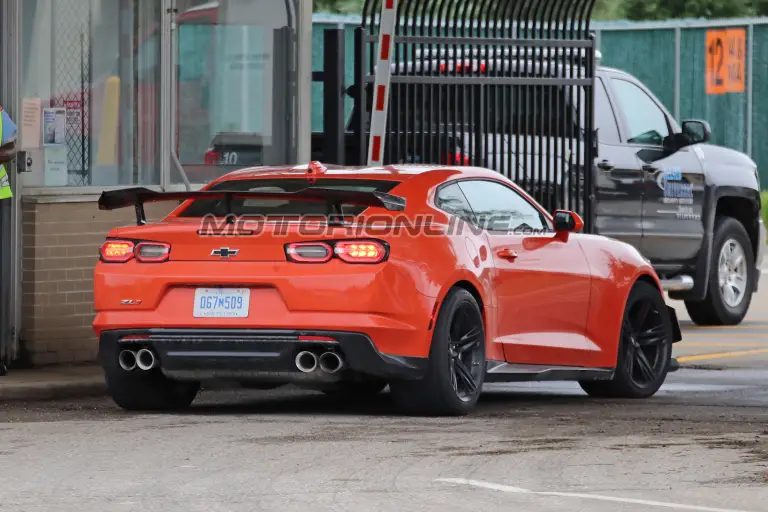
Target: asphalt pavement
x=700 y=445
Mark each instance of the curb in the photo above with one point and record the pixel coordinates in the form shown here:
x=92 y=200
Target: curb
x=53 y=391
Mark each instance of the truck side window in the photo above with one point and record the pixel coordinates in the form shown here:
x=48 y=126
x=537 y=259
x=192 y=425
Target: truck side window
x=605 y=118
x=646 y=122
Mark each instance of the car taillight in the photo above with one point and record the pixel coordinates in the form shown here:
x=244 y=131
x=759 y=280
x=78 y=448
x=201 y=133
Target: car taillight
x=456 y=159
x=116 y=251
x=309 y=252
x=122 y=251
x=470 y=67
x=152 y=252
x=349 y=251
x=212 y=157
x=360 y=251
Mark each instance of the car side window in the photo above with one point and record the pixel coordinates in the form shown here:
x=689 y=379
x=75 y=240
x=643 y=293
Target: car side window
x=500 y=208
x=451 y=199
x=605 y=117
x=647 y=123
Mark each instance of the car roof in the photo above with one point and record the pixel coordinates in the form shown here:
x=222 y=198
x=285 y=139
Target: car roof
x=399 y=172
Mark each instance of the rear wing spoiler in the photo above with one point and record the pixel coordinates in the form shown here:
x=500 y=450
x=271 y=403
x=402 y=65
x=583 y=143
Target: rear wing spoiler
x=137 y=196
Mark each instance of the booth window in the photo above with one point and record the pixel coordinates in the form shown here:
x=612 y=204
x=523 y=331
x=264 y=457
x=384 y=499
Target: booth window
x=96 y=98
x=92 y=78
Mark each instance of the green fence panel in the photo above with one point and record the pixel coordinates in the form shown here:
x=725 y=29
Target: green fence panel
x=318 y=31
x=760 y=102
x=726 y=113
x=649 y=55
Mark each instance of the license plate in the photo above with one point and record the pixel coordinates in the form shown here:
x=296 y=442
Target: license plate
x=221 y=302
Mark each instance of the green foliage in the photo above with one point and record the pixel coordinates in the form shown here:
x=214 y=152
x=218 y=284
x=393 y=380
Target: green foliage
x=338 y=6
x=669 y=9
x=635 y=10
x=764 y=202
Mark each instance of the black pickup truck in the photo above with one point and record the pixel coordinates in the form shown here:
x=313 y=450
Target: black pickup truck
x=690 y=207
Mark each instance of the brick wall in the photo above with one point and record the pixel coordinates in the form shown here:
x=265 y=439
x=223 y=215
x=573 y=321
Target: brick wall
x=60 y=248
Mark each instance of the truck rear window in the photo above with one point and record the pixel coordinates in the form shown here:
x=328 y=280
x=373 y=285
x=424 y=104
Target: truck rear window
x=278 y=207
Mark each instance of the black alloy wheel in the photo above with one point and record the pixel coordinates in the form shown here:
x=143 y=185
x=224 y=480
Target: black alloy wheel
x=456 y=371
x=466 y=349
x=644 y=350
x=644 y=333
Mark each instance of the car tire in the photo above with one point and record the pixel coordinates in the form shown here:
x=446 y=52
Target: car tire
x=456 y=370
x=356 y=390
x=717 y=308
x=645 y=348
x=148 y=391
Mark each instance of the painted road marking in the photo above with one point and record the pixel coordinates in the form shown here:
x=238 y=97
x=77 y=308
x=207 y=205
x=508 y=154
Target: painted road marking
x=744 y=325
x=719 y=344
x=720 y=355
x=506 y=488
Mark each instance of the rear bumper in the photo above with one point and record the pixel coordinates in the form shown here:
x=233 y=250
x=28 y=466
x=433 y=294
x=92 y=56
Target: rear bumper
x=255 y=354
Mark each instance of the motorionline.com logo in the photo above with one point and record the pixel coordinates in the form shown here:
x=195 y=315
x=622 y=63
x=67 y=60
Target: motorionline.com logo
x=397 y=225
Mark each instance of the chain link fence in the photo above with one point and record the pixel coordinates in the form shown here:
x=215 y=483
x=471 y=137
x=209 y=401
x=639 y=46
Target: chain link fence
x=71 y=75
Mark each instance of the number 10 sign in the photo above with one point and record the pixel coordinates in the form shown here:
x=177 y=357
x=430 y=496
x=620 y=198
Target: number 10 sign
x=725 y=58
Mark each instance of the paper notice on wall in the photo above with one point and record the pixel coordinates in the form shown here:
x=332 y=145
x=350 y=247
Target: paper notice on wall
x=30 y=123
x=54 y=126
x=74 y=114
x=56 y=172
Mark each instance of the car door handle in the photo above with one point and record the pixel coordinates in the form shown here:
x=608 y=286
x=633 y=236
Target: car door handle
x=605 y=165
x=650 y=168
x=507 y=254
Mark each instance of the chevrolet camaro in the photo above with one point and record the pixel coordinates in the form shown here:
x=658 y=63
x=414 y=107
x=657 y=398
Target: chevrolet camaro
x=428 y=280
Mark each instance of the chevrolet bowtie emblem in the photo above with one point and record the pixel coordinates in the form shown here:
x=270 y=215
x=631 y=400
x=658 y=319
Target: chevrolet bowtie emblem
x=225 y=252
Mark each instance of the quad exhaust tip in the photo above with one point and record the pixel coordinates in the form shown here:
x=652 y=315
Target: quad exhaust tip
x=145 y=359
x=127 y=360
x=306 y=361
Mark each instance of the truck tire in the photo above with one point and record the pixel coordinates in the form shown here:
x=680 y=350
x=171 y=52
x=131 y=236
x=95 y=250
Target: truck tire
x=731 y=277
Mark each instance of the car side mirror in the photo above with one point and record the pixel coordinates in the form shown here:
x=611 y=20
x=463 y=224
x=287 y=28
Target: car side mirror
x=567 y=222
x=696 y=131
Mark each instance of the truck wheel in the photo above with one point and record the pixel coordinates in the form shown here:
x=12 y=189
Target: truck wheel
x=148 y=391
x=456 y=370
x=731 y=277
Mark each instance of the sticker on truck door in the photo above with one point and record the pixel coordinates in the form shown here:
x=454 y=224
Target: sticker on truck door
x=677 y=190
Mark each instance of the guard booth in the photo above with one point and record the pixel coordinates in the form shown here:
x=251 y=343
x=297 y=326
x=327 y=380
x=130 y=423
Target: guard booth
x=506 y=84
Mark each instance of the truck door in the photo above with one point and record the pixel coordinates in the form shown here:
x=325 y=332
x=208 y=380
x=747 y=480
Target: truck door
x=673 y=192
x=619 y=180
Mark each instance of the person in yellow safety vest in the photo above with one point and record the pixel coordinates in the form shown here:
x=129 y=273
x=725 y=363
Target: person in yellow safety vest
x=7 y=151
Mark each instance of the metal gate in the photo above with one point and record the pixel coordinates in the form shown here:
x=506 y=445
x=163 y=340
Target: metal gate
x=502 y=84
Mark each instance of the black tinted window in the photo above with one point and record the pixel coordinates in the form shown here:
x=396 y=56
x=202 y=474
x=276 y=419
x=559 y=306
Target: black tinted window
x=280 y=207
x=451 y=199
x=499 y=208
x=605 y=118
x=646 y=122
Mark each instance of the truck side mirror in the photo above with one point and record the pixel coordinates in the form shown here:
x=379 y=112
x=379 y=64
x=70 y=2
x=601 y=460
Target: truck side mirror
x=697 y=132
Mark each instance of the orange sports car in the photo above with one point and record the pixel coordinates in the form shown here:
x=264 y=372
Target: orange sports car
x=431 y=280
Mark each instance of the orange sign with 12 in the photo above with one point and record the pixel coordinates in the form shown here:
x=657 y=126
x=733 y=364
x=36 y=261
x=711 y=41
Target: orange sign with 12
x=725 y=60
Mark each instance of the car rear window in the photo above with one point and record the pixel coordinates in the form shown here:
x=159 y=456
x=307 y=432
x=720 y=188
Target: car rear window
x=279 y=207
